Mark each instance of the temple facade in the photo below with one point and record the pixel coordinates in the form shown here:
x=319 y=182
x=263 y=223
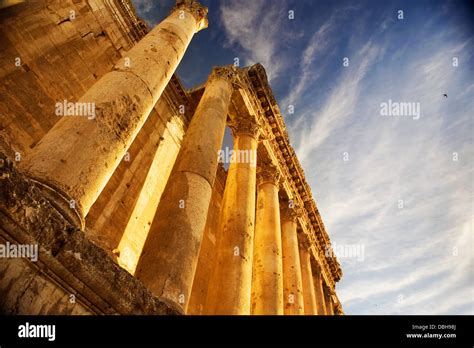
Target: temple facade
x=116 y=174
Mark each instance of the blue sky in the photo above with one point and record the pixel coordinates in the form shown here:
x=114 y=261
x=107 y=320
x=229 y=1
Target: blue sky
x=401 y=187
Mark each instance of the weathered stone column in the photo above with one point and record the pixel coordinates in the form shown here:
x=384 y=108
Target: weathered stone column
x=307 y=276
x=318 y=285
x=267 y=280
x=231 y=281
x=76 y=158
x=136 y=230
x=292 y=281
x=170 y=254
x=329 y=303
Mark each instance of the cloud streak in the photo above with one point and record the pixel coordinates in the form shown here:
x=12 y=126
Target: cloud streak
x=401 y=193
x=254 y=28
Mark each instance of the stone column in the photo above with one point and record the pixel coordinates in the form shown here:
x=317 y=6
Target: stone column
x=136 y=230
x=328 y=300
x=307 y=276
x=318 y=285
x=76 y=158
x=292 y=281
x=230 y=285
x=171 y=250
x=267 y=279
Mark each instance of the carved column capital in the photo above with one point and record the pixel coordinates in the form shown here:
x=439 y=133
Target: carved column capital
x=248 y=126
x=309 y=204
x=288 y=212
x=317 y=268
x=267 y=173
x=264 y=136
x=194 y=8
x=303 y=241
x=329 y=292
x=228 y=73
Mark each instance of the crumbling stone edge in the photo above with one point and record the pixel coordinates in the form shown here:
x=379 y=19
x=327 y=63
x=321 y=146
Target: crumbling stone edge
x=66 y=256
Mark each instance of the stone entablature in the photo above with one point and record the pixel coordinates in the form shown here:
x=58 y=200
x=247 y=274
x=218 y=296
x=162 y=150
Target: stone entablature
x=133 y=26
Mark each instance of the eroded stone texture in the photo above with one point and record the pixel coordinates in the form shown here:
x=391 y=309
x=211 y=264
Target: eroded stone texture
x=319 y=292
x=307 y=278
x=207 y=254
x=77 y=157
x=292 y=281
x=234 y=250
x=48 y=58
x=122 y=215
x=136 y=230
x=25 y=290
x=67 y=260
x=170 y=254
x=267 y=280
x=158 y=193
x=329 y=303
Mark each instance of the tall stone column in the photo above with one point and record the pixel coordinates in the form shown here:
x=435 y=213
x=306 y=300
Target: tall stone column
x=307 y=276
x=329 y=303
x=267 y=279
x=318 y=285
x=171 y=250
x=136 y=230
x=292 y=281
x=233 y=265
x=76 y=158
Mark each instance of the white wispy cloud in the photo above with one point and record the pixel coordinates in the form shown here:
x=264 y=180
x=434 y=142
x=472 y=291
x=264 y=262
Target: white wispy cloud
x=319 y=46
x=308 y=72
x=419 y=259
x=340 y=105
x=253 y=27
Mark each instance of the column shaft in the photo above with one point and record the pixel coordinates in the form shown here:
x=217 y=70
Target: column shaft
x=170 y=254
x=138 y=226
x=292 y=280
x=267 y=279
x=307 y=276
x=230 y=284
x=76 y=158
x=329 y=304
x=320 y=299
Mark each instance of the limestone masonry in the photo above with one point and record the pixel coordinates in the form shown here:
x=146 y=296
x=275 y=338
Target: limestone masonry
x=112 y=169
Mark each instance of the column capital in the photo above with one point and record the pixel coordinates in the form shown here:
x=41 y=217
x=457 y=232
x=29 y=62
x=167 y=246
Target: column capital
x=326 y=289
x=267 y=173
x=317 y=268
x=245 y=125
x=228 y=73
x=303 y=241
x=289 y=213
x=193 y=7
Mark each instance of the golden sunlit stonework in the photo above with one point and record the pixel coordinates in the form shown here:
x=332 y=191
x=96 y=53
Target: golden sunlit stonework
x=131 y=209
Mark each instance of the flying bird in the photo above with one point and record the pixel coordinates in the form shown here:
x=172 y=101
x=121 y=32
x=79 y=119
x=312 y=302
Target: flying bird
x=445 y=95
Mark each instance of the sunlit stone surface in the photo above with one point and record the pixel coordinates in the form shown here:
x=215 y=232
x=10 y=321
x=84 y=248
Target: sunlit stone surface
x=128 y=203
